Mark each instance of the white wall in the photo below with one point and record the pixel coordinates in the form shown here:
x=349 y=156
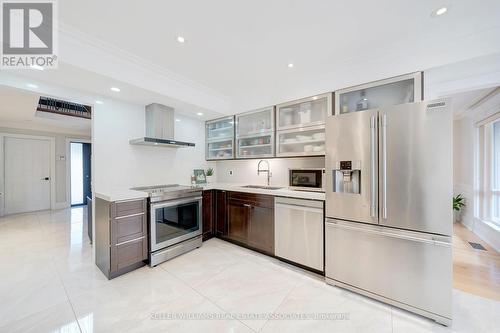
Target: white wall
x=117 y=164
x=245 y=171
x=466 y=174
x=463 y=165
x=61 y=166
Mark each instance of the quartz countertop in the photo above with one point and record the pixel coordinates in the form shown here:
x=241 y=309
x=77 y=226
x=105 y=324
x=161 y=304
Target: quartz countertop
x=118 y=194
x=282 y=192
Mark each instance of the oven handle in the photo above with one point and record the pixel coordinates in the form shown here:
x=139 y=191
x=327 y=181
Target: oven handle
x=174 y=202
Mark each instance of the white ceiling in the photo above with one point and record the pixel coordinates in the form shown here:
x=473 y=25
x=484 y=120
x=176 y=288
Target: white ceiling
x=18 y=110
x=240 y=49
x=82 y=86
x=236 y=52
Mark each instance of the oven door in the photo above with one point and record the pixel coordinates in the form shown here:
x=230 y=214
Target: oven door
x=174 y=221
x=307 y=179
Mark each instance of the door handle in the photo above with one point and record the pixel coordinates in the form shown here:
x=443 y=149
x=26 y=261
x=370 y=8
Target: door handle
x=384 y=166
x=373 y=167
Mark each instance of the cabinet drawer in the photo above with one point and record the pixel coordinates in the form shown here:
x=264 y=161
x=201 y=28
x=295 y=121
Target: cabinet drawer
x=126 y=228
x=125 y=208
x=129 y=253
x=260 y=200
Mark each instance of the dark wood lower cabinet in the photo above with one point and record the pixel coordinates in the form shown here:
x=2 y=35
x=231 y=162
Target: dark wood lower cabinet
x=221 y=210
x=238 y=217
x=208 y=214
x=250 y=220
x=261 y=229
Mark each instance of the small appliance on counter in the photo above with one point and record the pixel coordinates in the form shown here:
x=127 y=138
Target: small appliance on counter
x=175 y=220
x=307 y=179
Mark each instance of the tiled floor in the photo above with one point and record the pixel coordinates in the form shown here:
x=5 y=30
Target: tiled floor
x=48 y=283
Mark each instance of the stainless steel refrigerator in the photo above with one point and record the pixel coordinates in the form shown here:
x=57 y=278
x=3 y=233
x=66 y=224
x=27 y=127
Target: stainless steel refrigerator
x=389 y=215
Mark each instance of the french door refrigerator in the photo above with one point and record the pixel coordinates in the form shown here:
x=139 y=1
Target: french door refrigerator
x=388 y=205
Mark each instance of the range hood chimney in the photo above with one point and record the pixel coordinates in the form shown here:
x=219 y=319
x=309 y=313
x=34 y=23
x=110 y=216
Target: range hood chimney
x=160 y=120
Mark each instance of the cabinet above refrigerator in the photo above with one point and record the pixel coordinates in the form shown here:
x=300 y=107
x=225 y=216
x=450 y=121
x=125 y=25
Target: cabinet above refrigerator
x=393 y=91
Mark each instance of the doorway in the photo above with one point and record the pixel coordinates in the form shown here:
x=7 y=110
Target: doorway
x=27 y=174
x=80 y=155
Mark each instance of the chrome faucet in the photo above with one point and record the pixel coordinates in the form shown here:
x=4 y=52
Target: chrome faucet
x=268 y=170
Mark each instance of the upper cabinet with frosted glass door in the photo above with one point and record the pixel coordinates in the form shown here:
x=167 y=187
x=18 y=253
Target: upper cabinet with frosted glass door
x=255 y=133
x=301 y=126
x=219 y=134
x=397 y=90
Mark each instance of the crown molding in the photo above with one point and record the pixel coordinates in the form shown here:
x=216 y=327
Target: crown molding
x=77 y=47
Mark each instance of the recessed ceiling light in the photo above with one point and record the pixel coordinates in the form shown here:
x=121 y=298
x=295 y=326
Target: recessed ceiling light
x=180 y=39
x=38 y=68
x=315 y=98
x=177 y=120
x=31 y=85
x=200 y=114
x=99 y=102
x=440 y=11
x=115 y=89
x=290 y=65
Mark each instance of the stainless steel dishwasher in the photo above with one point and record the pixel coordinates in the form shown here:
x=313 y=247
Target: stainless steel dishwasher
x=298 y=235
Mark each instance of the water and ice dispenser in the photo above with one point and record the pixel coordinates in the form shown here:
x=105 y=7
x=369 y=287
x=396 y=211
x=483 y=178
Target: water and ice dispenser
x=347 y=177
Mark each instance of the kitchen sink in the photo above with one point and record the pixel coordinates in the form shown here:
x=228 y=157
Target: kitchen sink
x=263 y=187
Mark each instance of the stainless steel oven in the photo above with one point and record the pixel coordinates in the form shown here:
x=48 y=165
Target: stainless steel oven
x=307 y=179
x=174 y=221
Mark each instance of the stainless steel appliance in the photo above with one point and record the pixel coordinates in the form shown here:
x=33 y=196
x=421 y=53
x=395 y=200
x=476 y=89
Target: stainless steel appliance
x=389 y=218
x=160 y=128
x=298 y=235
x=175 y=220
x=307 y=179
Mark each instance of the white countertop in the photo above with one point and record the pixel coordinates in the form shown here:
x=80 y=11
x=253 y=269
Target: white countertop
x=118 y=194
x=283 y=192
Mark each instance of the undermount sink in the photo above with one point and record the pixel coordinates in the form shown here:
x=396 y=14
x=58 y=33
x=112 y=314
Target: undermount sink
x=263 y=187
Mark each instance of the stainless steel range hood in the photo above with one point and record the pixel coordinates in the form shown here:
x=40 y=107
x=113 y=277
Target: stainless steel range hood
x=160 y=128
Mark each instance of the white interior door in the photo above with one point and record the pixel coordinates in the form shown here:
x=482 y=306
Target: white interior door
x=27 y=175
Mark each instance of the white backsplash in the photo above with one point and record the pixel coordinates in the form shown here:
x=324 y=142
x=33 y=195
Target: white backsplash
x=245 y=171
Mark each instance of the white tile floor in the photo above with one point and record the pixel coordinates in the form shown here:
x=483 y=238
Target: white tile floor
x=48 y=283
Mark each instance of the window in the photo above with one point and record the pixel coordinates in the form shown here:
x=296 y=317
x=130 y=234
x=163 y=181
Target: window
x=488 y=167
x=495 y=174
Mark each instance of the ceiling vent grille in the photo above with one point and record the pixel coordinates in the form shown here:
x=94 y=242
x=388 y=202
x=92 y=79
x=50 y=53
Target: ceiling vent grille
x=52 y=105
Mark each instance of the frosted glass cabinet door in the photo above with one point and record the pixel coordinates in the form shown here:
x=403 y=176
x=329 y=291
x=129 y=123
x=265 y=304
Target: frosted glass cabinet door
x=220 y=129
x=308 y=141
x=255 y=122
x=305 y=112
x=219 y=134
x=393 y=91
x=219 y=150
x=255 y=146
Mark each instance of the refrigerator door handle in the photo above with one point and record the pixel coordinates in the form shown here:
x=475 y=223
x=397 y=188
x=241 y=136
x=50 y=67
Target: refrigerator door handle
x=384 y=166
x=373 y=167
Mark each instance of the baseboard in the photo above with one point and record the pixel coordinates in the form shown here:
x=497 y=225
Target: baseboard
x=484 y=230
x=487 y=232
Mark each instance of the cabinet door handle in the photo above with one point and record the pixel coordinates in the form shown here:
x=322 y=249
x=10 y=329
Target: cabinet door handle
x=247 y=205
